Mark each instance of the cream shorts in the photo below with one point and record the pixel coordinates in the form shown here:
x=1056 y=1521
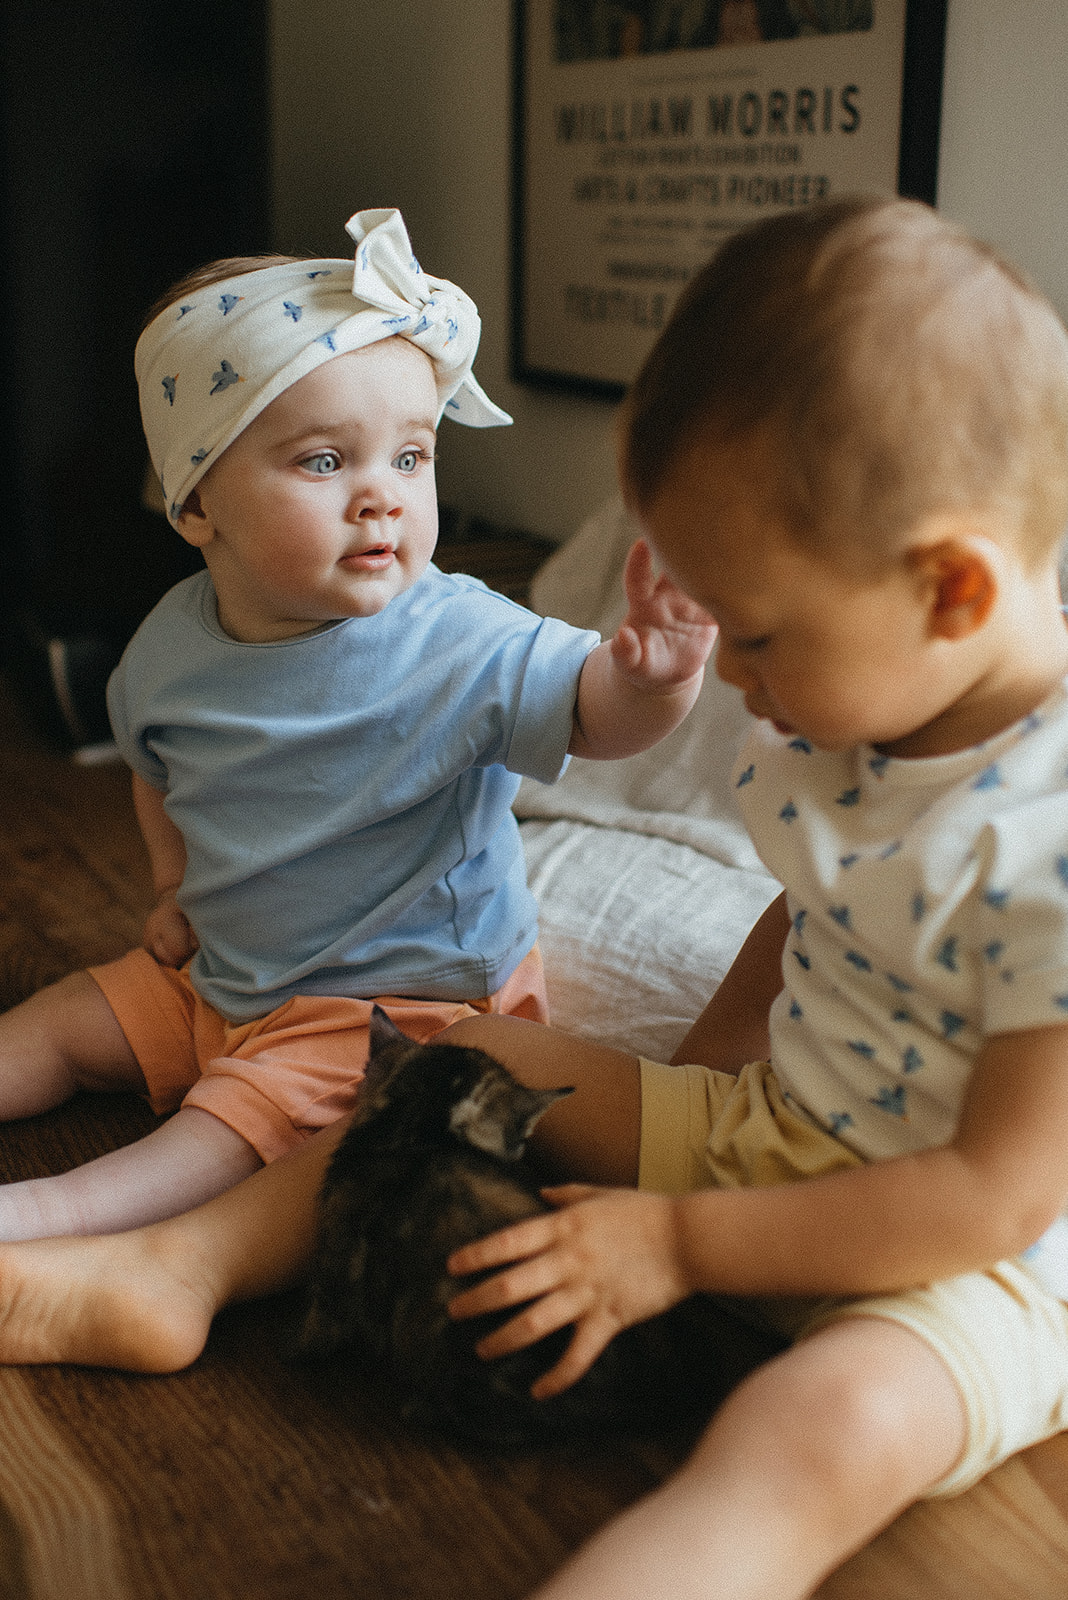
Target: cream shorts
x=1001 y=1334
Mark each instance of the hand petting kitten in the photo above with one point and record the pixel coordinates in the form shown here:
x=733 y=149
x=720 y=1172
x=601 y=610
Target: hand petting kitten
x=605 y=1260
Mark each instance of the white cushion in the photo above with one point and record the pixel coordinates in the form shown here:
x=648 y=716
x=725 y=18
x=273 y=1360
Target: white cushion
x=636 y=932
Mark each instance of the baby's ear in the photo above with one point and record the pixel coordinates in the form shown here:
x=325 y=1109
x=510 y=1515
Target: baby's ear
x=961 y=583
x=193 y=524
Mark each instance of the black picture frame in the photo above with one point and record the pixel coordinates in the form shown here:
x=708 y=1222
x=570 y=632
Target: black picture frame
x=539 y=305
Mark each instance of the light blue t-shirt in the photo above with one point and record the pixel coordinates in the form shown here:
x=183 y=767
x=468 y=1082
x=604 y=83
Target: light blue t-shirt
x=345 y=796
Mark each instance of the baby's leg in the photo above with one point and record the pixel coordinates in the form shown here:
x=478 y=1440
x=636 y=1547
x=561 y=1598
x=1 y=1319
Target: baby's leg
x=67 y=1037
x=144 y=1300
x=63 y=1038
x=805 y=1462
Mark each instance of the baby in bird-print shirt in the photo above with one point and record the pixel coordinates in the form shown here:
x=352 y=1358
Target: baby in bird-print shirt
x=929 y=908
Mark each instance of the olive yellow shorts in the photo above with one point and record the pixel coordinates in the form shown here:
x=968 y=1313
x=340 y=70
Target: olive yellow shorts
x=1002 y=1335
x=280 y=1078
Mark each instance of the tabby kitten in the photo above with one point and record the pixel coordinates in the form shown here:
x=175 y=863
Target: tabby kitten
x=433 y=1160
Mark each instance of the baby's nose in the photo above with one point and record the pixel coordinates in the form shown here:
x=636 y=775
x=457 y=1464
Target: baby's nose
x=373 y=498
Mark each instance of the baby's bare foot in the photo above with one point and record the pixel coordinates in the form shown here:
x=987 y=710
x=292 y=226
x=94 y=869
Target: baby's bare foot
x=110 y=1300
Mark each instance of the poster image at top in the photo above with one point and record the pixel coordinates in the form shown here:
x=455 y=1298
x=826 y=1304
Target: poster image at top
x=648 y=130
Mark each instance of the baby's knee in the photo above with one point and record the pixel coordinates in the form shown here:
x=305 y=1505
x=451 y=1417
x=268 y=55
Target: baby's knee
x=838 y=1431
x=858 y=1432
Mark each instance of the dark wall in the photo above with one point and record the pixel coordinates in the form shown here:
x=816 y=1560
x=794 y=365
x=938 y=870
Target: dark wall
x=134 y=144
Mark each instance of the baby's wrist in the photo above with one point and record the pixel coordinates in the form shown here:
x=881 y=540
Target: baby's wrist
x=691 y=1243
x=676 y=1256
x=653 y=687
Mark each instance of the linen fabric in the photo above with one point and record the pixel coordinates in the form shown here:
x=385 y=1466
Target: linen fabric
x=635 y=931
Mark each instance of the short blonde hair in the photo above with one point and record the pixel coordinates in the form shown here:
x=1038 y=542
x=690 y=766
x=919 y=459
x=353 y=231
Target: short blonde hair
x=901 y=367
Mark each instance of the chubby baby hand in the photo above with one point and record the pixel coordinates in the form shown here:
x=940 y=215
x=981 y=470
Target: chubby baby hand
x=167 y=934
x=665 y=638
x=602 y=1260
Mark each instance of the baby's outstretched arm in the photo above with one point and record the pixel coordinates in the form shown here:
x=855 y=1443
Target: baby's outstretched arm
x=985 y=1196
x=636 y=687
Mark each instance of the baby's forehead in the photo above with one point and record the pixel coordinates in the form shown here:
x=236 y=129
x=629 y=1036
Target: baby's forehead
x=354 y=386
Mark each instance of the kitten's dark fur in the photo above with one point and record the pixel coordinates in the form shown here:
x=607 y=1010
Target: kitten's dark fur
x=433 y=1160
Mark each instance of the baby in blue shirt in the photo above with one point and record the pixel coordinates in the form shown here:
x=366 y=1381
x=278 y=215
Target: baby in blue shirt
x=326 y=734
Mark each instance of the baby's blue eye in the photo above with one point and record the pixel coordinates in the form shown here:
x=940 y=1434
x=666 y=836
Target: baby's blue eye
x=322 y=464
x=408 y=460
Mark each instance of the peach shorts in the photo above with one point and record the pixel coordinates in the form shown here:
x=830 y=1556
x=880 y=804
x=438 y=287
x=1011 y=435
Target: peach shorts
x=1001 y=1333
x=282 y=1077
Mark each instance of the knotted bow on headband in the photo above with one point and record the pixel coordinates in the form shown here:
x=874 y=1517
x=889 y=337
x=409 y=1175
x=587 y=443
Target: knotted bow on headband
x=211 y=362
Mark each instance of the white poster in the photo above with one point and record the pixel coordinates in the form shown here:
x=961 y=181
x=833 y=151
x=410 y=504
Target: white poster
x=648 y=131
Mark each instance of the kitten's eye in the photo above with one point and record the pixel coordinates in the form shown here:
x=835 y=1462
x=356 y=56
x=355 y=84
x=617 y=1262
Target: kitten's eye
x=322 y=464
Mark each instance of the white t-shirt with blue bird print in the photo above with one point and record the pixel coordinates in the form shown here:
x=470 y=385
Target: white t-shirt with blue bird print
x=929 y=907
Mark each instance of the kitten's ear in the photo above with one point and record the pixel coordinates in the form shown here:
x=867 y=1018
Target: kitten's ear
x=539 y=1101
x=381 y=1059
x=384 y=1031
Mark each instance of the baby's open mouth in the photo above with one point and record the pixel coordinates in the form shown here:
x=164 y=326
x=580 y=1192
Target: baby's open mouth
x=374 y=559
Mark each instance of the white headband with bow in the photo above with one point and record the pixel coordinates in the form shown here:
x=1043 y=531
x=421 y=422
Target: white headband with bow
x=211 y=362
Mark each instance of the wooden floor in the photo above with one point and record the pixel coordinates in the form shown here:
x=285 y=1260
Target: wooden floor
x=244 y=1480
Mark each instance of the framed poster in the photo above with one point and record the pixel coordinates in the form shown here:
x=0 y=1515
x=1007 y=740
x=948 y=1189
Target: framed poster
x=647 y=130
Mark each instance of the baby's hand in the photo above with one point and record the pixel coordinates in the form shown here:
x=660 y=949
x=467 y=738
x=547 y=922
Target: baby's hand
x=665 y=638
x=604 y=1260
x=167 y=935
